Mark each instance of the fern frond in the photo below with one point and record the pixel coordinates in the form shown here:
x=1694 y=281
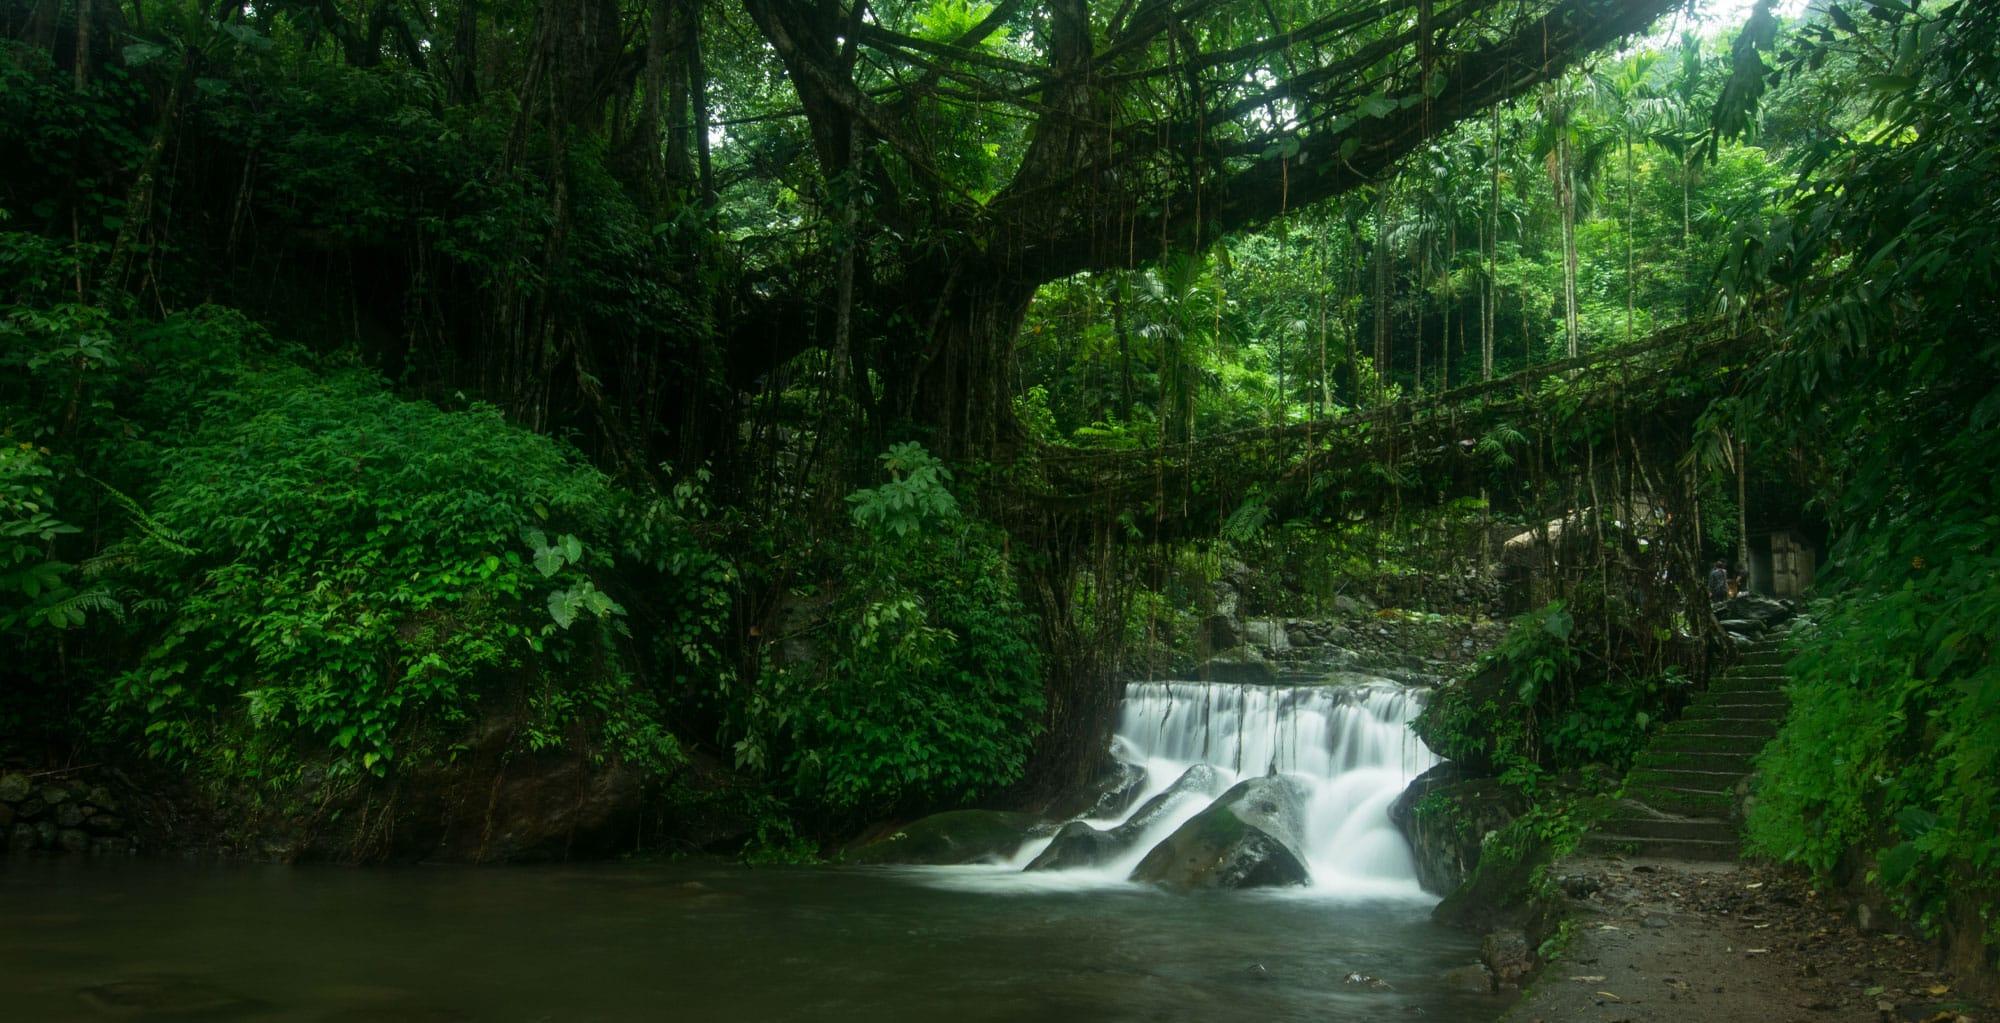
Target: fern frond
x=153 y=528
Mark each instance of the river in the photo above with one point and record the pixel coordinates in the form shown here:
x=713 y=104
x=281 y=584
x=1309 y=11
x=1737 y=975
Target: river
x=93 y=940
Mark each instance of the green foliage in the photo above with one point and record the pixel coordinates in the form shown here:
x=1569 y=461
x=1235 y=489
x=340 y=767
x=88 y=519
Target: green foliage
x=1892 y=748
x=927 y=689
x=915 y=496
x=354 y=574
x=1885 y=271
x=1534 y=707
x=36 y=590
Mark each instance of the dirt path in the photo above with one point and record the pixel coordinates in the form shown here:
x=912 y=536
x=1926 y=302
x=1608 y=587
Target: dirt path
x=1660 y=940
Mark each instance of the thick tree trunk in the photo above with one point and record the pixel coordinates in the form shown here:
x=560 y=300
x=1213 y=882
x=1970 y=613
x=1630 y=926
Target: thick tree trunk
x=955 y=382
x=1081 y=645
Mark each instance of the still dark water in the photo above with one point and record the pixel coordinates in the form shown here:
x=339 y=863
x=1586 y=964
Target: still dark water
x=93 y=941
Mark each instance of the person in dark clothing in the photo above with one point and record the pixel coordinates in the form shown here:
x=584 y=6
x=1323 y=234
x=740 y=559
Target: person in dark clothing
x=1718 y=582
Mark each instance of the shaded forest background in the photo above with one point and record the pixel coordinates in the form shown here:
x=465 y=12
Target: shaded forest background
x=686 y=387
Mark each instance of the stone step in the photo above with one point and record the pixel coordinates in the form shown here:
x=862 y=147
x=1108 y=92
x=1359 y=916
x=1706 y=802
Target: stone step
x=1742 y=687
x=1764 y=659
x=1611 y=844
x=1754 y=671
x=1760 y=727
x=1693 y=829
x=1715 y=696
x=1685 y=802
x=1736 y=708
x=1698 y=742
x=1684 y=778
x=1740 y=763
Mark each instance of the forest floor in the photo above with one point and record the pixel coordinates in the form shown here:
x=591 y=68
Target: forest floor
x=1660 y=940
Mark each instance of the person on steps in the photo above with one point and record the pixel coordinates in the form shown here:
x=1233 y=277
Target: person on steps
x=1718 y=583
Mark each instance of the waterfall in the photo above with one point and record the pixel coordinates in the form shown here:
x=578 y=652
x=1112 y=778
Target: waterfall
x=1349 y=745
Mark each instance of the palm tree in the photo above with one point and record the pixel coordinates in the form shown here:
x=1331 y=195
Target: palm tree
x=1573 y=149
x=1628 y=91
x=1684 y=112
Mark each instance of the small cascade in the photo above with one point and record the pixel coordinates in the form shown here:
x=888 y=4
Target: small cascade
x=1348 y=745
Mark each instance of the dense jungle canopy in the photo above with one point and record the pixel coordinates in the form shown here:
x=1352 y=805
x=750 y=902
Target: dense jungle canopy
x=813 y=411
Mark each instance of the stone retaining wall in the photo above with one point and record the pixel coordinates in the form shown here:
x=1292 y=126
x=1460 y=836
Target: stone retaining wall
x=66 y=813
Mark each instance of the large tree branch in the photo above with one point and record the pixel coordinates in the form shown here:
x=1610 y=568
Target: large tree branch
x=1326 y=163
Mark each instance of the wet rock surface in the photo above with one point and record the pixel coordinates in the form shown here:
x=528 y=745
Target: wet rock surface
x=60 y=812
x=1506 y=955
x=1081 y=845
x=1117 y=786
x=1445 y=815
x=1248 y=838
x=1730 y=943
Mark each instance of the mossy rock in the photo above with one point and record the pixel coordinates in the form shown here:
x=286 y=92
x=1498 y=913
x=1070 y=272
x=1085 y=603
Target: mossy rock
x=1248 y=838
x=1502 y=893
x=1445 y=814
x=953 y=837
x=1080 y=845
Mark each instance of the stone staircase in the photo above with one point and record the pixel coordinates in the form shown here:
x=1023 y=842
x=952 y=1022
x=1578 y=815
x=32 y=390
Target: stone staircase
x=1680 y=797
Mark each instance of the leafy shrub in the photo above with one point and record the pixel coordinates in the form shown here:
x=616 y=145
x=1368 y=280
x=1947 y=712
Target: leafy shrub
x=1533 y=706
x=1884 y=274
x=1892 y=747
x=348 y=575
x=928 y=689
x=36 y=590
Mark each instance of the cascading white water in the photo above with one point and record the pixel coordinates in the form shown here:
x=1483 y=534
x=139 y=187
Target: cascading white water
x=1350 y=745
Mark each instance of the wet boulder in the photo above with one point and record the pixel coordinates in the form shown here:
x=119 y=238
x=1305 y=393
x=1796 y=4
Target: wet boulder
x=1112 y=792
x=1445 y=815
x=1506 y=955
x=1269 y=637
x=1198 y=782
x=1221 y=632
x=1080 y=845
x=1248 y=838
x=1472 y=979
x=953 y=837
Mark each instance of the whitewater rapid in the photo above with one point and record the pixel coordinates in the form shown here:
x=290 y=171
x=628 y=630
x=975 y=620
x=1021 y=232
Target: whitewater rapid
x=1349 y=744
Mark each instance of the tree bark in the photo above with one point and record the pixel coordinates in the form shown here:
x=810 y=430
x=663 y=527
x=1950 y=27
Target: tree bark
x=1097 y=190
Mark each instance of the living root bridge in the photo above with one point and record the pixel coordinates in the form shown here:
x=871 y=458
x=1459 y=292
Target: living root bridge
x=1408 y=454
x=1555 y=443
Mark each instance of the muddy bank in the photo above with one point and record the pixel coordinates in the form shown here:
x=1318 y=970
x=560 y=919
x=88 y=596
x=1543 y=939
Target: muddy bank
x=1730 y=943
